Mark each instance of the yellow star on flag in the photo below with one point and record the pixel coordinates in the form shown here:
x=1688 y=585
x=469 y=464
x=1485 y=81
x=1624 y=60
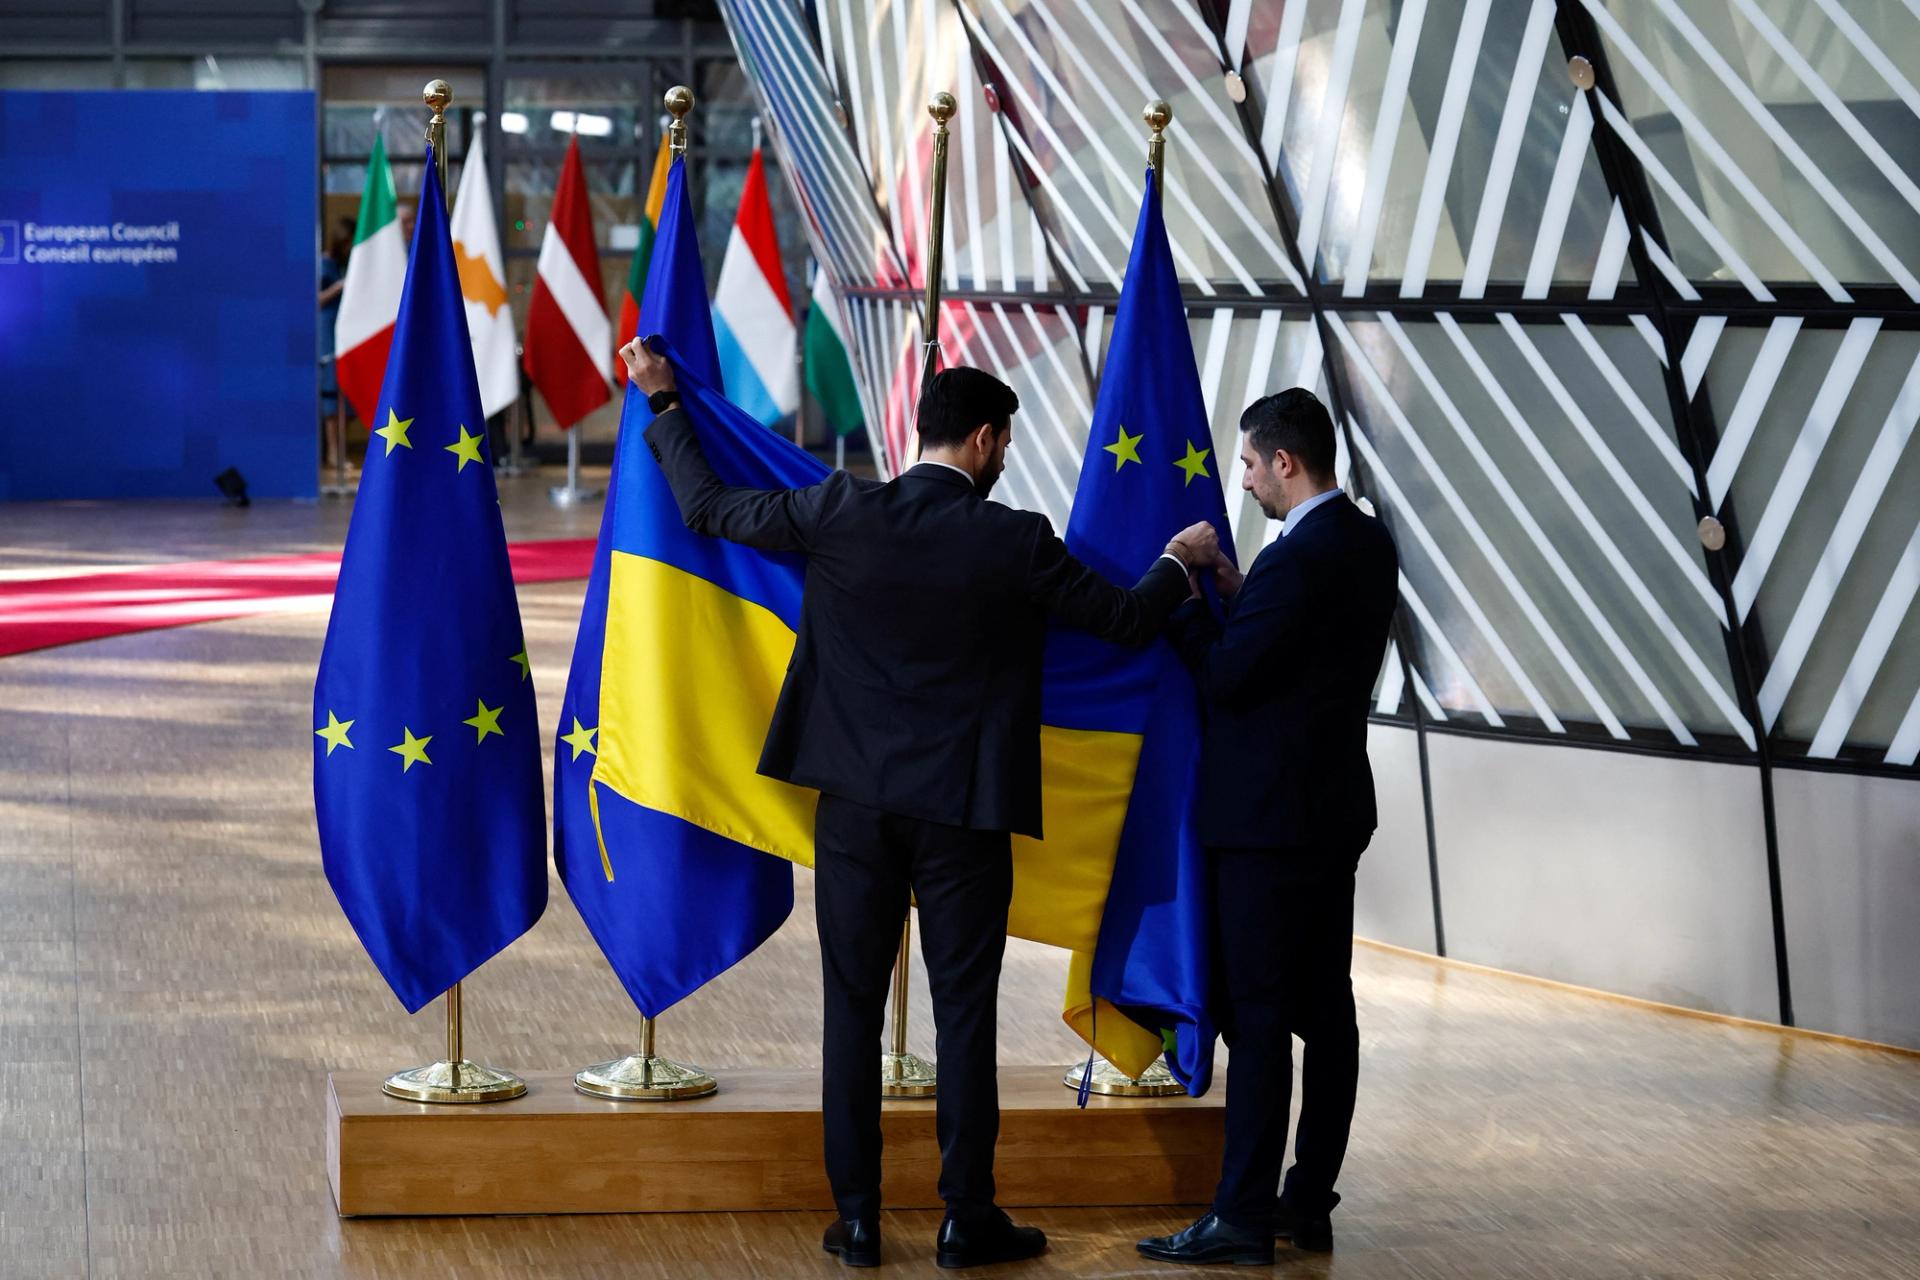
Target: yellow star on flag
x=1195 y=463
x=526 y=666
x=485 y=721
x=395 y=432
x=466 y=448
x=335 y=732
x=1126 y=449
x=581 y=739
x=413 y=750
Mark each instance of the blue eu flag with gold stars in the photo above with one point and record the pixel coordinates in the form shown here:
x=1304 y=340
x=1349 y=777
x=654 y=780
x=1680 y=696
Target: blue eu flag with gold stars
x=1149 y=470
x=426 y=753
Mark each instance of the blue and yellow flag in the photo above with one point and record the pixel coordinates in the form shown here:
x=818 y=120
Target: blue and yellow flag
x=1149 y=471
x=671 y=903
x=426 y=758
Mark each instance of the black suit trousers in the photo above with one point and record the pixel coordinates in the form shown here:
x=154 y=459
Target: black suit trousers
x=1283 y=966
x=866 y=864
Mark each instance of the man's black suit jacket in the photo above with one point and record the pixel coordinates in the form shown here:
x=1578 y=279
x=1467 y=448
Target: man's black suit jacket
x=1286 y=687
x=915 y=681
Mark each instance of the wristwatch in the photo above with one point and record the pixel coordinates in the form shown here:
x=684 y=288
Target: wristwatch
x=661 y=401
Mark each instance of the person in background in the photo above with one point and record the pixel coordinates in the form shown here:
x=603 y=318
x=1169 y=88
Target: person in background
x=333 y=279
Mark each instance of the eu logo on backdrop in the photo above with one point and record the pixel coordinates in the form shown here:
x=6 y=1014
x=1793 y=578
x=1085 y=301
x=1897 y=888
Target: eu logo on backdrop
x=175 y=230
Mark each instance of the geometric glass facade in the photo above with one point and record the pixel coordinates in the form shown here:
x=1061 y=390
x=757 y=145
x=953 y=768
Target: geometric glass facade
x=1618 y=305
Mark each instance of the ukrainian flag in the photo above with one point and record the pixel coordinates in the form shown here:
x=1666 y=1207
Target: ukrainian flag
x=672 y=903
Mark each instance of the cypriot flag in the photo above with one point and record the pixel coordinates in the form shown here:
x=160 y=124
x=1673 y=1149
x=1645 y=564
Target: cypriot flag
x=483 y=285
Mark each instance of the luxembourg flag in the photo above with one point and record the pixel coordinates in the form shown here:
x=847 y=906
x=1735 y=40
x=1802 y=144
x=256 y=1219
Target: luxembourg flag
x=752 y=315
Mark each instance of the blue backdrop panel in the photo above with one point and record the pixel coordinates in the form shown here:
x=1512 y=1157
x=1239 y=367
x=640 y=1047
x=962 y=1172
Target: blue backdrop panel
x=157 y=294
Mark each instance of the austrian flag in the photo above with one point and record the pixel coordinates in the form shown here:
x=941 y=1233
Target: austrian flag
x=569 y=347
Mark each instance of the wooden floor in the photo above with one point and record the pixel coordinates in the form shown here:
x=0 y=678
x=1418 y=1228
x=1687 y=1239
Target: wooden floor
x=176 y=981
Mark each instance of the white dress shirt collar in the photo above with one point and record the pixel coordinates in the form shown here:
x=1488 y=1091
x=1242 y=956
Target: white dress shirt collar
x=961 y=472
x=1299 y=513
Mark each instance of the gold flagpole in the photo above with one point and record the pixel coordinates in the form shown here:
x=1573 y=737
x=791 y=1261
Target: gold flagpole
x=453 y=1079
x=645 y=1076
x=1156 y=1081
x=902 y=1074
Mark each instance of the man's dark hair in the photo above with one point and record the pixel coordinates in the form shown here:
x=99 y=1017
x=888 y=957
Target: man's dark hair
x=958 y=400
x=1296 y=421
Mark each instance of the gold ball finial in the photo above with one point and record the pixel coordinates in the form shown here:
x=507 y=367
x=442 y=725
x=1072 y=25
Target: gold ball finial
x=941 y=107
x=679 y=101
x=1157 y=114
x=438 y=94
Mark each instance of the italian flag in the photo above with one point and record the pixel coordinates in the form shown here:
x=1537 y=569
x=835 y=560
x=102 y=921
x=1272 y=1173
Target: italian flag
x=370 y=298
x=829 y=371
x=626 y=330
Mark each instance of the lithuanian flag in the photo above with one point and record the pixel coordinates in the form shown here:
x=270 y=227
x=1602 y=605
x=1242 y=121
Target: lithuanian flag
x=628 y=327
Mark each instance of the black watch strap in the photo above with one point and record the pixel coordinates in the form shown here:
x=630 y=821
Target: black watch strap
x=661 y=401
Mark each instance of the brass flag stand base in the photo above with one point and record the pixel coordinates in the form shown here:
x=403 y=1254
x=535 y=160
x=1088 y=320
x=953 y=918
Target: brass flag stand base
x=454 y=1079
x=644 y=1076
x=1110 y=1081
x=902 y=1074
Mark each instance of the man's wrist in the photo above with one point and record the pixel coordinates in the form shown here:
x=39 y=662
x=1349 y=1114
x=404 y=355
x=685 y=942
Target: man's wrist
x=663 y=400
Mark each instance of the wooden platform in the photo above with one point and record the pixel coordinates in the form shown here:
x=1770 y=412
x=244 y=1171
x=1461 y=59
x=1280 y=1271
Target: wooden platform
x=755 y=1144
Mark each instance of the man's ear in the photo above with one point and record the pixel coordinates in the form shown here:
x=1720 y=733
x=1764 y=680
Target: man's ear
x=982 y=437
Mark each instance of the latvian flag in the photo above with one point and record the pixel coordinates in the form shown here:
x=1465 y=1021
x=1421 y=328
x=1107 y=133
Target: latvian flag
x=569 y=346
x=370 y=298
x=752 y=317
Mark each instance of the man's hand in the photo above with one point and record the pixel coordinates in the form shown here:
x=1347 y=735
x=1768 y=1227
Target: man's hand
x=648 y=369
x=1226 y=578
x=1196 y=546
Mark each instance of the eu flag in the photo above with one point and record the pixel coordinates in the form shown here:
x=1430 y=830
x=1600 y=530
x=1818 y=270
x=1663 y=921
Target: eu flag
x=426 y=758
x=1149 y=470
x=671 y=904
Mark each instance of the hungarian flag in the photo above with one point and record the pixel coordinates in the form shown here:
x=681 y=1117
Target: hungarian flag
x=370 y=298
x=483 y=286
x=829 y=371
x=569 y=350
x=752 y=315
x=642 y=256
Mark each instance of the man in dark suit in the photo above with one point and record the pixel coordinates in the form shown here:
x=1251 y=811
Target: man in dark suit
x=913 y=705
x=1286 y=808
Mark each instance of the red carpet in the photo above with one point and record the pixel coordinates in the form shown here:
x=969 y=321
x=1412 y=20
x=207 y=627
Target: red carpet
x=38 y=613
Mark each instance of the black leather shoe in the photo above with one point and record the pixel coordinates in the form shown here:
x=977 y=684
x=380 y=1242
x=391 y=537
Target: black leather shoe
x=1211 y=1239
x=1312 y=1232
x=855 y=1241
x=980 y=1241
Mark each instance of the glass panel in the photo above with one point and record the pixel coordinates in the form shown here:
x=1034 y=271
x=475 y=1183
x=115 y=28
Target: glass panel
x=611 y=113
x=1036 y=352
x=883 y=344
x=35 y=73
x=1824 y=490
x=1479 y=111
x=1073 y=78
x=1782 y=126
x=813 y=129
x=212 y=72
x=1544 y=520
